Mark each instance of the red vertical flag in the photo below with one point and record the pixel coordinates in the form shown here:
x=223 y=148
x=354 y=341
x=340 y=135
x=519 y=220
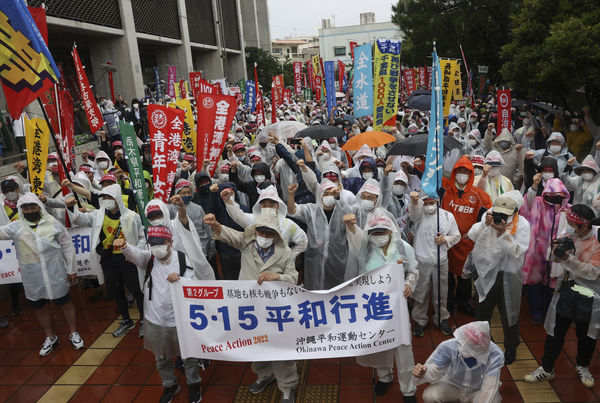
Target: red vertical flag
x=297 y=77
x=215 y=116
x=353 y=44
x=89 y=102
x=341 y=73
x=504 y=115
x=195 y=77
x=166 y=130
x=260 y=120
x=318 y=82
x=422 y=77
x=276 y=96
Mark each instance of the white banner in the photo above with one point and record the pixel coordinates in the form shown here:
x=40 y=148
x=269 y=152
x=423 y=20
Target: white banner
x=9 y=267
x=245 y=321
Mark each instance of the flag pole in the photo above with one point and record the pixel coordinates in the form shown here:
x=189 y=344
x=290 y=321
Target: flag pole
x=437 y=187
x=58 y=150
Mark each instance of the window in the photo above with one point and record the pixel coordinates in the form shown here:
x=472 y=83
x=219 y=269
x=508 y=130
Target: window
x=277 y=50
x=339 y=51
x=294 y=49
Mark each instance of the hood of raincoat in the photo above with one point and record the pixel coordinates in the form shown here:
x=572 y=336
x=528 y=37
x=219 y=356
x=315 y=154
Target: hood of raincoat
x=148 y=177
x=31 y=198
x=401 y=176
x=165 y=220
x=494 y=157
x=557 y=136
x=464 y=162
x=505 y=136
x=476 y=134
x=114 y=191
x=198 y=176
x=371 y=186
x=325 y=184
x=380 y=218
x=261 y=168
x=324 y=146
x=102 y=154
x=370 y=162
x=265 y=219
x=363 y=151
x=81 y=179
x=590 y=163
x=475 y=338
x=555 y=185
x=271 y=194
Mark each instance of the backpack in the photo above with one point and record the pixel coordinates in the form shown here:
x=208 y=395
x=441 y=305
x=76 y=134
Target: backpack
x=182 y=269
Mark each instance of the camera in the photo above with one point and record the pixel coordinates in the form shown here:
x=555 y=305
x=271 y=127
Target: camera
x=563 y=245
x=294 y=141
x=499 y=217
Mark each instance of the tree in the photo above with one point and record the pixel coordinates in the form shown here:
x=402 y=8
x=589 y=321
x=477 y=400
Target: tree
x=288 y=73
x=267 y=66
x=554 y=50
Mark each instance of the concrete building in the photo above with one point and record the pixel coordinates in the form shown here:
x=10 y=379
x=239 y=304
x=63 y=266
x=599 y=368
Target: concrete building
x=298 y=49
x=137 y=35
x=334 y=42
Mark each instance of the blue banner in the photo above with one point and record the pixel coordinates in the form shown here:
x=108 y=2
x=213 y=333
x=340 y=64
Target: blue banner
x=330 y=85
x=159 y=93
x=250 y=95
x=434 y=164
x=362 y=84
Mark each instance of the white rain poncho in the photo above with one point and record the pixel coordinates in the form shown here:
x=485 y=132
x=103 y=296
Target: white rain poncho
x=354 y=172
x=397 y=205
x=506 y=253
x=584 y=192
x=185 y=240
x=310 y=180
x=561 y=158
x=447 y=363
x=327 y=252
x=99 y=173
x=267 y=153
x=413 y=183
x=131 y=227
x=46 y=255
x=290 y=231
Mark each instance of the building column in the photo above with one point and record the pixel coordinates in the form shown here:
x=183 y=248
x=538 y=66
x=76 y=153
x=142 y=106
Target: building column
x=185 y=58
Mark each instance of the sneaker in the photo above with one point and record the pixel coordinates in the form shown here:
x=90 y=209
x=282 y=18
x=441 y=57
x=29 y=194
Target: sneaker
x=141 y=330
x=509 y=357
x=124 y=327
x=539 y=375
x=445 y=328
x=260 y=384
x=381 y=388
x=76 y=340
x=288 y=396
x=418 y=330
x=585 y=376
x=3 y=323
x=169 y=393
x=195 y=392
x=49 y=344
x=16 y=310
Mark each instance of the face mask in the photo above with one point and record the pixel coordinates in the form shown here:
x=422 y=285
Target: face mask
x=570 y=230
x=587 y=176
x=573 y=127
x=554 y=199
x=478 y=171
x=224 y=177
x=103 y=165
x=242 y=158
x=159 y=251
x=462 y=179
x=259 y=178
x=326 y=156
x=264 y=242
x=51 y=167
x=32 y=217
x=328 y=201
x=494 y=172
x=108 y=204
x=366 y=204
x=504 y=145
x=431 y=209
x=398 y=189
x=473 y=120
x=263 y=145
x=239 y=135
x=367 y=175
x=12 y=196
x=136 y=106
x=119 y=152
x=546 y=176
x=155 y=222
x=555 y=149
x=186 y=199
x=379 y=240
x=473 y=143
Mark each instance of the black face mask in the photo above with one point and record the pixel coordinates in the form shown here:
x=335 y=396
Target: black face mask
x=263 y=145
x=204 y=188
x=32 y=217
x=554 y=199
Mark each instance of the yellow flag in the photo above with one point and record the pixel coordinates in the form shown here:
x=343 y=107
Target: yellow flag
x=37 y=137
x=447 y=84
x=457 y=93
x=177 y=91
x=188 y=143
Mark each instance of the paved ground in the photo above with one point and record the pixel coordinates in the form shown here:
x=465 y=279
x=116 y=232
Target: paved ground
x=119 y=370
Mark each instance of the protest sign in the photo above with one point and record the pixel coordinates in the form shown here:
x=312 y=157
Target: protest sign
x=250 y=96
x=188 y=142
x=504 y=115
x=9 y=266
x=318 y=83
x=195 y=77
x=276 y=95
x=287 y=95
x=386 y=75
x=341 y=75
x=37 y=136
x=171 y=77
x=362 y=84
x=297 y=77
x=245 y=321
x=87 y=96
x=422 y=71
x=447 y=84
x=157 y=84
x=457 y=93
x=134 y=162
x=166 y=129
x=410 y=80
x=215 y=116
x=260 y=110
x=330 y=86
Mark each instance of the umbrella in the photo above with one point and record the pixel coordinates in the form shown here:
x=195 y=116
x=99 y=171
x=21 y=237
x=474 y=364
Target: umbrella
x=420 y=100
x=544 y=106
x=340 y=95
x=321 y=132
x=417 y=145
x=284 y=129
x=372 y=139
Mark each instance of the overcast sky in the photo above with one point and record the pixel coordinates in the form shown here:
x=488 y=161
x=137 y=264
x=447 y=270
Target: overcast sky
x=303 y=17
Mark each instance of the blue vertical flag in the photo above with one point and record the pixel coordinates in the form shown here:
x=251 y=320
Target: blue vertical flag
x=250 y=95
x=159 y=94
x=434 y=164
x=362 y=83
x=330 y=85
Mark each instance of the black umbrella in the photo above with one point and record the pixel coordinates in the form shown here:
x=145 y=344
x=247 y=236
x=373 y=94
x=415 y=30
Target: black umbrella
x=544 y=106
x=417 y=145
x=420 y=100
x=321 y=132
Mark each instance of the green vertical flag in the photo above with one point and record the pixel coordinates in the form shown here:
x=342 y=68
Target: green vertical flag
x=242 y=85
x=132 y=152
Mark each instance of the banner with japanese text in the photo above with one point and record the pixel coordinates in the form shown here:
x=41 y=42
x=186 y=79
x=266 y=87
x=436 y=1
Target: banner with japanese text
x=188 y=141
x=410 y=80
x=157 y=84
x=341 y=75
x=250 y=96
x=204 y=87
x=362 y=84
x=353 y=45
x=215 y=116
x=260 y=110
x=447 y=83
x=318 y=84
x=273 y=321
x=422 y=72
x=81 y=237
x=87 y=96
x=330 y=85
x=236 y=92
x=66 y=135
x=276 y=95
x=386 y=75
x=287 y=95
x=297 y=77
x=504 y=115
x=171 y=77
x=166 y=129
x=134 y=162
x=37 y=137
x=429 y=78
x=457 y=93
x=195 y=77
x=311 y=75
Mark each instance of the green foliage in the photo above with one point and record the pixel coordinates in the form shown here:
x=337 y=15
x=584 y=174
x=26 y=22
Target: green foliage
x=288 y=73
x=267 y=66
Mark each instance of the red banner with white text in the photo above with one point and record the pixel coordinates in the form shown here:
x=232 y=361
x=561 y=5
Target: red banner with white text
x=504 y=115
x=276 y=96
x=89 y=102
x=341 y=73
x=298 y=77
x=318 y=83
x=409 y=80
x=195 y=77
x=422 y=77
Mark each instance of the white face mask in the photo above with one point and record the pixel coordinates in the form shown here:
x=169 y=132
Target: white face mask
x=159 y=251
x=259 y=178
x=398 y=189
x=494 y=172
x=51 y=166
x=462 y=179
x=478 y=171
x=570 y=230
x=108 y=204
x=119 y=152
x=473 y=142
x=224 y=177
x=12 y=196
x=367 y=175
x=555 y=149
x=547 y=176
x=379 y=240
x=431 y=209
x=587 y=176
x=136 y=106
x=264 y=242
x=155 y=222
x=574 y=127
x=103 y=164
x=328 y=201
x=326 y=156
x=366 y=204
